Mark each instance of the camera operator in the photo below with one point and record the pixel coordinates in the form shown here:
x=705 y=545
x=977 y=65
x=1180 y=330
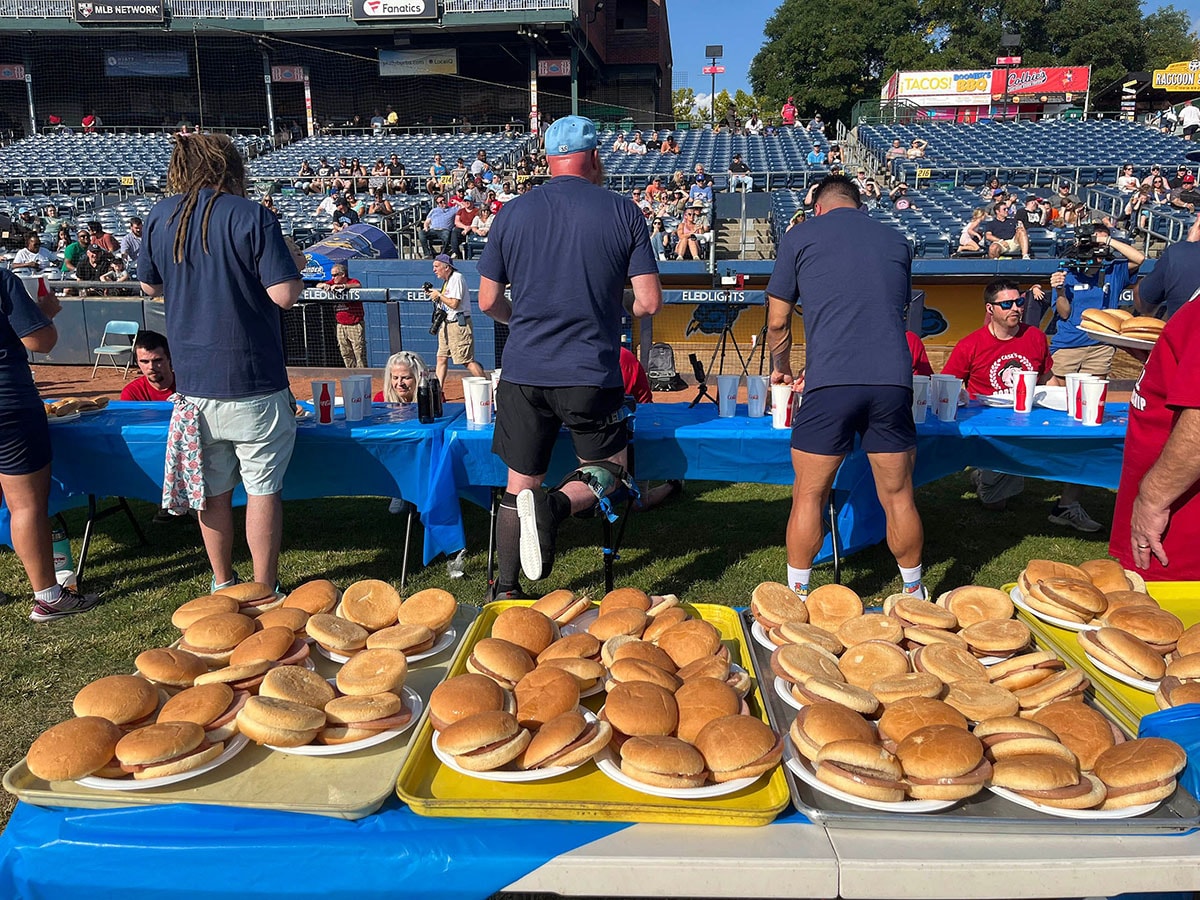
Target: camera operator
x=351 y=334
x=456 y=339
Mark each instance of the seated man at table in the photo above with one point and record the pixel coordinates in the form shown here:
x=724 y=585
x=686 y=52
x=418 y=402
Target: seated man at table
x=988 y=360
x=153 y=358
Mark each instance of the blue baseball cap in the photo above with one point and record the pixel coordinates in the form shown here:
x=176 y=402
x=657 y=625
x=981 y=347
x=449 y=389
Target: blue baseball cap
x=570 y=134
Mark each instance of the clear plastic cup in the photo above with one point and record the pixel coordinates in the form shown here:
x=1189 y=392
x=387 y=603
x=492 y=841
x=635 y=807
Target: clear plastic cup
x=756 y=396
x=727 y=391
x=920 y=404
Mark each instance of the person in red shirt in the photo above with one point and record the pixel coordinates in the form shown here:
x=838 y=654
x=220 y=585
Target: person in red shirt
x=153 y=358
x=987 y=361
x=637 y=385
x=351 y=334
x=1156 y=524
x=920 y=358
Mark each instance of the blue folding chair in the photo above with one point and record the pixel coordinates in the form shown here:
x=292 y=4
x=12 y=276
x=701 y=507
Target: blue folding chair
x=116 y=328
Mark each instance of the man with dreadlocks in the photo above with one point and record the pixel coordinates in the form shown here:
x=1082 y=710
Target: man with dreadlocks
x=224 y=270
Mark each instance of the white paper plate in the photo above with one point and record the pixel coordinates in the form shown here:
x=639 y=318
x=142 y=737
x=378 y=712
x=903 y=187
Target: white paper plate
x=761 y=637
x=92 y=412
x=1051 y=396
x=445 y=639
x=608 y=762
x=783 y=689
x=1094 y=814
x=802 y=769
x=580 y=623
x=597 y=688
x=510 y=775
x=1140 y=684
x=412 y=700
x=1118 y=340
x=69 y=417
x=1001 y=400
x=232 y=748
x=1018 y=600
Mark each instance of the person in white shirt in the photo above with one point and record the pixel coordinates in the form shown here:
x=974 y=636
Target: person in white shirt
x=34 y=259
x=506 y=193
x=754 y=125
x=1189 y=118
x=620 y=145
x=637 y=146
x=328 y=205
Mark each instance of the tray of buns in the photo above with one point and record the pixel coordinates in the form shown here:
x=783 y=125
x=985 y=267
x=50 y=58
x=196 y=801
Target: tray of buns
x=640 y=710
x=344 y=767
x=1142 y=651
x=947 y=716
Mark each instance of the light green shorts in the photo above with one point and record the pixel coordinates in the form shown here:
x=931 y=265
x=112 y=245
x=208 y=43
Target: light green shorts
x=254 y=436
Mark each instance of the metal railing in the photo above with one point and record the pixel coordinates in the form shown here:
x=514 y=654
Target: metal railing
x=469 y=6
x=36 y=9
x=273 y=9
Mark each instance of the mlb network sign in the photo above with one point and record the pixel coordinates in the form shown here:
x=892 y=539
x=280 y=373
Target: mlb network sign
x=144 y=11
x=378 y=10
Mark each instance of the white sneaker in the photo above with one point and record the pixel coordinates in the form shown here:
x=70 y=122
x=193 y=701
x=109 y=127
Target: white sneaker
x=1073 y=514
x=67 y=603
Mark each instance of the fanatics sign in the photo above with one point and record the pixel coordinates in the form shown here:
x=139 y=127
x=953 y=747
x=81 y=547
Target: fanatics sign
x=148 y=12
x=378 y=10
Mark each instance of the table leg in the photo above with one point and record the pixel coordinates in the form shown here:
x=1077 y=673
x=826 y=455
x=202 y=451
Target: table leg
x=407 y=541
x=497 y=495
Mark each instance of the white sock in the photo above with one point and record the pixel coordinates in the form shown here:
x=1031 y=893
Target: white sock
x=47 y=595
x=798 y=578
x=911 y=576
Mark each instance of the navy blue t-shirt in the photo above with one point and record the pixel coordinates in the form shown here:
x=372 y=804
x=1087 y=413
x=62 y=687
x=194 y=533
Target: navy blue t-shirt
x=1006 y=230
x=1176 y=277
x=851 y=276
x=19 y=317
x=567 y=249
x=226 y=340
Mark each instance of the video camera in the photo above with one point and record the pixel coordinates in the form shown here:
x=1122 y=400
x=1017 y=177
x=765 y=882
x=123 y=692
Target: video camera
x=1086 y=252
x=438 y=319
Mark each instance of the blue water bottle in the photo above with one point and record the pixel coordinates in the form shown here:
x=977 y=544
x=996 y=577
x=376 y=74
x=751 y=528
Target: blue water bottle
x=62 y=547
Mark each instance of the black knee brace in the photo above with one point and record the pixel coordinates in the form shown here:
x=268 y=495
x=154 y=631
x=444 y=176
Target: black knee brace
x=606 y=480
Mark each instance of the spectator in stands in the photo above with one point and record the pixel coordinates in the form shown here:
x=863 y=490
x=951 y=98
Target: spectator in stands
x=679 y=182
x=324 y=180
x=1185 y=196
x=481 y=225
x=654 y=189
x=787 y=115
x=835 y=156
x=739 y=175
x=636 y=147
x=328 y=204
x=480 y=164
x=95 y=263
x=871 y=195
x=701 y=192
x=506 y=193
x=754 y=124
x=439 y=225
x=378 y=123
x=102 y=237
x=653 y=142
x=460 y=176
x=816 y=125
x=896 y=151
x=397 y=175
x=34 y=259
x=660 y=238
x=117 y=273
x=76 y=251
x=1127 y=181
x=797 y=217
x=91 y=122
x=464 y=218
x=477 y=193
x=1005 y=235
x=52 y=220
x=901 y=201
x=640 y=200
x=64 y=239
x=362 y=178
x=269 y=202
x=1030 y=215
x=916 y=150
x=348 y=314
x=456 y=338
x=393 y=119
x=1155 y=172
x=970 y=239
x=304 y=177
x=344 y=210
x=1159 y=191
x=1189 y=118
x=686 y=233
x=379 y=172
x=669 y=145
x=436 y=170
x=380 y=204
x=152 y=356
x=621 y=144
x=1174 y=279
x=342 y=176
x=816 y=156
x=1135 y=214
x=992 y=190
x=493 y=203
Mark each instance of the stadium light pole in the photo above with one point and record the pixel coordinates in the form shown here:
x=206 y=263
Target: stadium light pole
x=714 y=52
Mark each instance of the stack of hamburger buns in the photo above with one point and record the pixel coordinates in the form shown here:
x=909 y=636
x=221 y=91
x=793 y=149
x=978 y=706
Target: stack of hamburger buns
x=70 y=405
x=1122 y=322
x=370 y=614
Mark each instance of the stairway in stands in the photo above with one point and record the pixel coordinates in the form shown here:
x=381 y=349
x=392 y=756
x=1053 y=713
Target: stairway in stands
x=743 y=226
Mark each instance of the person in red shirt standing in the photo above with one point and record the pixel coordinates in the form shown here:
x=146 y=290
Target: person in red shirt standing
x=351 y=334
x=153 y=358
x=920 y=358
x=1156 y=524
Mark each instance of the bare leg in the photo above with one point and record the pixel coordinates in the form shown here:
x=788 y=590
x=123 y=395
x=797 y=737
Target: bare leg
x=475 y=369
x=28 y=499
x=810 y=491
x=893 y=483
x=443 y=366
x=216 y=527
x=264 y=532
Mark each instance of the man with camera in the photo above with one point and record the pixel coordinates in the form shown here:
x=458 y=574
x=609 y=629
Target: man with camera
x=451 y=320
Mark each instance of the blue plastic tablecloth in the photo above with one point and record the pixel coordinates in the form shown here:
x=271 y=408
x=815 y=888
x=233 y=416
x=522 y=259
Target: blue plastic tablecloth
x=672 y=440
x=119 y=453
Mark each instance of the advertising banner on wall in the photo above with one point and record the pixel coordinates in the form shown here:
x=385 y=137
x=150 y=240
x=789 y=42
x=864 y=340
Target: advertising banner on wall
x=1050 y=84
x=418 y=62
x=146 y=64
x=380 y=10
x=1180 y=76
x=952 y=88
x=89 y=12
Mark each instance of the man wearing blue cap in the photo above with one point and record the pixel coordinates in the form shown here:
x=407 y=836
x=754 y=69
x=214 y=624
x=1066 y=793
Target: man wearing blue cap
x=567 y=250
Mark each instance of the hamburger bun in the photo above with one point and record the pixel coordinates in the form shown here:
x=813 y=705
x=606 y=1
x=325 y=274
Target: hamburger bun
x=167 y=748
x=1081 y=729
x=544 y=694
x=870 y=627
x=627 y=670
x=864 y=664
x=1039 y=569
x=1121 y=651
x=916 y=636
x=128 y=701
x=195 y=610
x=246 y=677
x=847 y=695
x=1013 y=736
x=1172 y=692
x=1106 y=574
x=625 y=598
x=351 y=719
x=432 y=607
x=484 y=741
x=772 y=604
x=297 y=684
x=214 y=637
x=832 y=604
x=336 y=634
x=689 y=641
x=1139 y=771
x=562 y=606
x=973 y=604
x=979 y=699
x=462 y=696
x=663 y=761
x=503 y=662
x=170 y=668
x=699 y=702
x=408 y=639
x=1049 y=781
x=1024 y=670
x=214 y=707
x=1072 y=599
x=1102 y=320
x=566 y=740
x=911 y=684
x=818 y=724
x=625 y=620
x=738 y=747
x=375 y=671
x=1184 y=668
x=1066 y=684
x=902 y=718
x=803 y=633
x=997 y=637
x=580 y=645
x=73 y=749
x=609 y=648
x=1189 y=641
x=948 y=663
x=797 y=663
x=942 y=762
x=268 y=645
x=279 y=723
x=370 y=603
x=660 y=622
x=863 y=769
x=1157 y=627
x=313 y=597
x=529 y=629
x=1145 y=328
x=646 y=652
x=586 y=672
x=909 y=611
x=285 y=617
x=641 y=709
x=253 y=597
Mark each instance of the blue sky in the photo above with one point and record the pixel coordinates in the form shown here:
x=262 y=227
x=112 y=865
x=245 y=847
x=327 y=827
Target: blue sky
x=738 y=26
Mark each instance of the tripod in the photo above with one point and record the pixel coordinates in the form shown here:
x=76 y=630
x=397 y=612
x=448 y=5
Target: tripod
x=701 y=381
x=729 y=315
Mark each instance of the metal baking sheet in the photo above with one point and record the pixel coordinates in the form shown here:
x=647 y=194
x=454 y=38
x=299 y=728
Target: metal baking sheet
x=983 y=813
x=345 y=787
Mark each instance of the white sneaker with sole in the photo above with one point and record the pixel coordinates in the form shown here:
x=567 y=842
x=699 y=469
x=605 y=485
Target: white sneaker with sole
x=68 y=602
x=537 y=534
x=1073 y=515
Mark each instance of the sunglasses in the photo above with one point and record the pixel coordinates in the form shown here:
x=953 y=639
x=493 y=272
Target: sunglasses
x=1009 y=304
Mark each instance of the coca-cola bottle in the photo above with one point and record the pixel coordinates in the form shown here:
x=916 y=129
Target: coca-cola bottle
x=424 y=402
x=435 y=394
x=325 y=406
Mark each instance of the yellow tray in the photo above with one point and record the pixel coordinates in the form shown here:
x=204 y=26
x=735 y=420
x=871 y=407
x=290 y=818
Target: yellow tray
x=344 y=787
x=1126 y=703
x=432 y=789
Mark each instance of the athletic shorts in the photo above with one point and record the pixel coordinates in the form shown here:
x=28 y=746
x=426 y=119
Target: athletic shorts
x=830 y=417
x=24 y=440
x=528 y=420
x=1094 y=360
x=456 y=341
x=254 y=436
x=1190 y=130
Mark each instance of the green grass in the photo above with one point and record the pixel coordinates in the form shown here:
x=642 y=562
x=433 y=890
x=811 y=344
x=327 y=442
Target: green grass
x=714 y=544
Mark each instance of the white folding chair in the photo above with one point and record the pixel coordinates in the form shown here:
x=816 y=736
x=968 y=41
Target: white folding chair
x=112 y=351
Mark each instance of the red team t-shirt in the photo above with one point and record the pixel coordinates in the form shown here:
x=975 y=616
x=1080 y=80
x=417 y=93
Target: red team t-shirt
x=1169 y=384
x=142 y=390
x=988 y=365
x=633 y=376
x=920 y=358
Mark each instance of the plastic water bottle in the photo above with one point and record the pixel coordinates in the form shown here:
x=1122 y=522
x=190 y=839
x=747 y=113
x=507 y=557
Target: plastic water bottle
x=435 y=396
x=424 y=402
x=456 y=564
x=63 y=561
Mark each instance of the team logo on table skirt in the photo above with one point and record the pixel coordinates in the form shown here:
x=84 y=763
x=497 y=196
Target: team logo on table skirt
x=933 y=322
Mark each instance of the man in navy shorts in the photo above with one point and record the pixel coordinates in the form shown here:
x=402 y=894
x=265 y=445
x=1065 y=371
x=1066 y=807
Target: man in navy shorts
x=851 y=276
x=567 y=249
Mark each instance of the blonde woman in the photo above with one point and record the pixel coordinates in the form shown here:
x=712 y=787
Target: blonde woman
x=401 y=376
x=970 y=239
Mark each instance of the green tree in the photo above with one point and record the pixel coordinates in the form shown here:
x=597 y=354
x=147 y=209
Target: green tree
x=721 y=104
x=683 y=102
x=1169 y=38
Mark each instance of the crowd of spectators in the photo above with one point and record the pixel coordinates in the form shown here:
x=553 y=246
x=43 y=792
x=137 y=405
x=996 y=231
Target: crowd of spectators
x=85 y=253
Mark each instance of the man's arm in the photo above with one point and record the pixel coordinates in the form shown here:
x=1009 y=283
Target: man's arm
x=647 y=295
x=779 y=339
x=284 y=294
x=492 y=302
x=1062 y=303
x=151 y=290
x=1135 y=256
x=1174 y=473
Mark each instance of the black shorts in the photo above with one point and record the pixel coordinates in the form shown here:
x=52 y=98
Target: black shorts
x=1190 y=130
x=24 y=440
x=528 y=420
x=830 y=417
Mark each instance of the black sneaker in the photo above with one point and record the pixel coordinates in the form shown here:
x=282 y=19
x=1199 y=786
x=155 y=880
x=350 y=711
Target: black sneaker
x=493 y=595
x=67 y=603
x=537 y=534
